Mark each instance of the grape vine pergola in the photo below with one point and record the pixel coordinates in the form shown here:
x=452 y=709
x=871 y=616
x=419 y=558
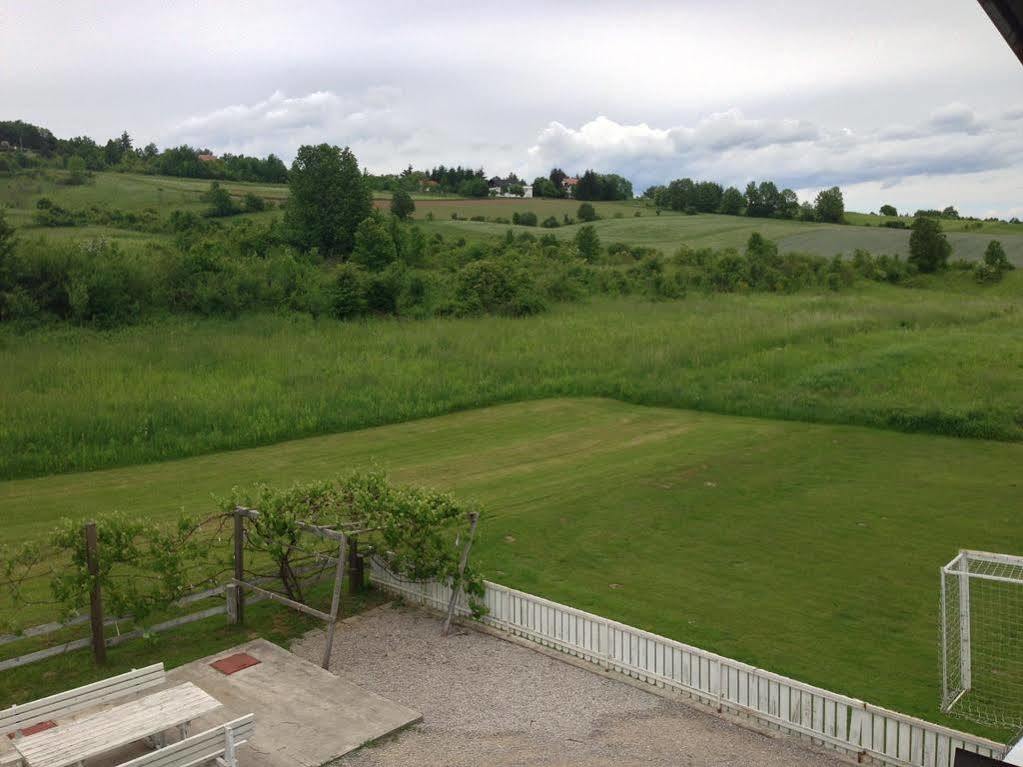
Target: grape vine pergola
x=342 y=534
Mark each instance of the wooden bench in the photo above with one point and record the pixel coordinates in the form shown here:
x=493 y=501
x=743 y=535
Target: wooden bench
x=98 y=733
x=63 y=704
x=216 y=744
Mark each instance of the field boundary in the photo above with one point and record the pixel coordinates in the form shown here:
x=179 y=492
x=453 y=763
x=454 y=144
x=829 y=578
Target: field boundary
x=847 y=725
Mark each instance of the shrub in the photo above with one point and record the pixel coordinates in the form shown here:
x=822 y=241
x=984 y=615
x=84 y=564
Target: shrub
x=995 y=264
x=220 y=202
x=347 y=293
x=899 y=224
x=586 y=212
x=550 y=222
x=374 y=246
x=494 y=286
x=587 y=242
x=524 y=219
x=254 y=203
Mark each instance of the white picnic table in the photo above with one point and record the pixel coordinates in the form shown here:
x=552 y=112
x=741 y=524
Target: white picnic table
x=95 y=734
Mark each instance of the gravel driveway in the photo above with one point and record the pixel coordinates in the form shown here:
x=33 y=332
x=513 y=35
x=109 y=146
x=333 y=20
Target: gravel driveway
x=486 y=701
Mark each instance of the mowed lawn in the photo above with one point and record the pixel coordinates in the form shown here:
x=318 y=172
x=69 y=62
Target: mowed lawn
x=807 y=549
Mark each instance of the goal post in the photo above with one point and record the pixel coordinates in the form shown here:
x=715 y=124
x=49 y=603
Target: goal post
x=982 y=638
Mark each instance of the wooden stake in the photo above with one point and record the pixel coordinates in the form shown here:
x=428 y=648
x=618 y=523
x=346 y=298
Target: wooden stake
x=457 y=590
x=99 y=643
x=335 y=603
x=239 y=565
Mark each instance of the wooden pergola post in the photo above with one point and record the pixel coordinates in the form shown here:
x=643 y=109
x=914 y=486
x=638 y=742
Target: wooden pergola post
x=456 y=589
x=335 y=603
x=239 y=566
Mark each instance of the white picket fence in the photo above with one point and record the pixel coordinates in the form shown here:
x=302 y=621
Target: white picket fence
x=845 y=724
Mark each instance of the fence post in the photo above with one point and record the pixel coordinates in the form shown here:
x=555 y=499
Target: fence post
x=231 y=594
x=99 y=642
x=356 y=577
x=604 y=635
x=239 y=565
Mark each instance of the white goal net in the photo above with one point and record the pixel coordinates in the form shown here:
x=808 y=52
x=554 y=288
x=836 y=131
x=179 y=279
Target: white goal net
x=982 y=638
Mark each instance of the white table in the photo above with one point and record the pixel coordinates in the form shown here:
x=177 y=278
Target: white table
x=95 y=734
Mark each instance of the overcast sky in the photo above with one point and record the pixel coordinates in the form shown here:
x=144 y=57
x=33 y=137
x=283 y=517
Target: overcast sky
x=913 y=102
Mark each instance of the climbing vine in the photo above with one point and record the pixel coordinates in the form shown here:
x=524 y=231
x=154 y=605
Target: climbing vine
x=143 y=567
x=419 y=534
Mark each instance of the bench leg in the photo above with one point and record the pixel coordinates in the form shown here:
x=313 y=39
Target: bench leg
x=159 y=740
x=183 y=729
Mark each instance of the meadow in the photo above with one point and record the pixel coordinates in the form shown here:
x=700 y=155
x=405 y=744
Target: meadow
x=795 y=547
x=944 y=359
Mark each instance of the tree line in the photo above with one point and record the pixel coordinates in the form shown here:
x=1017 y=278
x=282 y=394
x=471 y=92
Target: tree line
x=32 y=146
x=760 y=200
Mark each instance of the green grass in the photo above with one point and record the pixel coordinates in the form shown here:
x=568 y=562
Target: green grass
x=839 y=239
x=618 y=223
x=174 y=648
x=932 y=360
x=810 y=550
x=670 y=230
x=947 y=224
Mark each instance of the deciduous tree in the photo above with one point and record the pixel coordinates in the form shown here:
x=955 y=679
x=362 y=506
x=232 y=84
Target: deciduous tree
x=329 y=199
x=928 y=248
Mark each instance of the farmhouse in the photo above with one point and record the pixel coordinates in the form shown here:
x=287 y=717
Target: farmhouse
x=508 y=187
x=206 y=157
x=568 y=186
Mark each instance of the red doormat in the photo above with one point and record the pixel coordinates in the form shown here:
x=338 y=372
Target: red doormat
x=233 y=663
x=34 y=729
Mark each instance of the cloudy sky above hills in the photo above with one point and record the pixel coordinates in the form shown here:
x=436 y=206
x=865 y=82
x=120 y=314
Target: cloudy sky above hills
x=916 y=103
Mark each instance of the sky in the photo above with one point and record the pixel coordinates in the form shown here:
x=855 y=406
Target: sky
x=915 y=103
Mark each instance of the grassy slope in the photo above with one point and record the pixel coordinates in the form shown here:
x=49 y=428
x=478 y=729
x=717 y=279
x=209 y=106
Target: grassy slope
x=132 y=192
x=791 y=546
x=930 y=360
x=670 y=230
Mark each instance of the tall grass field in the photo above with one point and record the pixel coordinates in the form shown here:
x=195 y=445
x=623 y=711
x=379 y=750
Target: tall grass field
x=924 y=360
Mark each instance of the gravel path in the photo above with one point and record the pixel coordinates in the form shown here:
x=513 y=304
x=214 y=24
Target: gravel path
x=486 y=701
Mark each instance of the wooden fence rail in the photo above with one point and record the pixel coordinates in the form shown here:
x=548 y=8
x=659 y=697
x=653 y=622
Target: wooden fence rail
x=848 y=725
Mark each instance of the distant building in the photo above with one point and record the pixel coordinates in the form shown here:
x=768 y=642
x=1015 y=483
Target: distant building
x=500 y=187
x=568 y=186
x=207 y=157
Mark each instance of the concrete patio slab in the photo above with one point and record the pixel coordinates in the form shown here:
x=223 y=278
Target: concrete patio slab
x=305 y=716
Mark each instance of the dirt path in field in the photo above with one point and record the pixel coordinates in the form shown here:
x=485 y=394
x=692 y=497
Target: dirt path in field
x=486 y=701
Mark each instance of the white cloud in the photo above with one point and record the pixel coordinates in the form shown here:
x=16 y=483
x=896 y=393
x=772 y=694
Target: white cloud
x=732 y=148
x=280 y=124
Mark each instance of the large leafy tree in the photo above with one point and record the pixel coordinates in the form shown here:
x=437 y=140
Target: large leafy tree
x=329 y=199
x=928 y=248
x=732 y=201
x=829 y=205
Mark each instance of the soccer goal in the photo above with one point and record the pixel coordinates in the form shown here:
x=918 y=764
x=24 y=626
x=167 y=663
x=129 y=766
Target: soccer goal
x=982 y=638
